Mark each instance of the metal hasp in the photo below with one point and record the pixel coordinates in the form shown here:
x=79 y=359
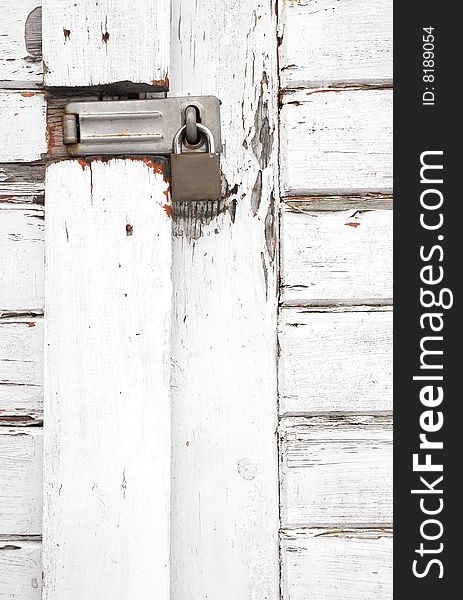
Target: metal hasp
x=125 y=127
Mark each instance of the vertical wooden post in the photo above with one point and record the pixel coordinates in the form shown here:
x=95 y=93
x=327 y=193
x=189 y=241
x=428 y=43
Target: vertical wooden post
x=107 y=358
x=108 y=299
x=224 y=397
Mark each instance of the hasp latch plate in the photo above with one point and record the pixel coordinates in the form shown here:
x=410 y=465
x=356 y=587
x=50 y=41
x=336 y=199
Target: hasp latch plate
x=125 y=127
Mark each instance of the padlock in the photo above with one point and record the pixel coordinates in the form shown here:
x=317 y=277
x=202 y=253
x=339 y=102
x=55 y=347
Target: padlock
x=195 y=175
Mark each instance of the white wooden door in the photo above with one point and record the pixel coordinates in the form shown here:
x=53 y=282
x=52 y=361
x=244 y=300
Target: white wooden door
x=129 y=289
x=217 y=417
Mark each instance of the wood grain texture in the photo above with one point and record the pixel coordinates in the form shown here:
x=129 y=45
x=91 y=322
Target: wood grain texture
x=90 y=43
x=340 y=256
x=339 y=202
x=107 y=363
x=21 y=183
x=20 y=480
x=335 y=362
x=225 y=487
x=331 y=564
x=20 y=570
x=21 y=369
x=337 y=140
x=22 y=126
x=326 y=42
x=336 y=472
x=20 y=43
x=21 y=249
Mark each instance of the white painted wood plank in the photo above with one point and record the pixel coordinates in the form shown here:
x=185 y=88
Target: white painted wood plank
x=21 y=183
x=20 y=42
x=335 y=361
x=107 y=363
x=339 y=256
x=327 y=41
x=21 y=368
x=225 y=487
x=20 y=570
x=20 y=480
x=90 y=43
x=336 y=472
x=21 y=249
x=331 y=564
x=22 y=126
x=336 y=140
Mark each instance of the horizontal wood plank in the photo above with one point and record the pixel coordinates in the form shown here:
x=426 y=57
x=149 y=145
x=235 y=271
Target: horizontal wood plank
x=21 y=43
x=339 y=256
x=327 y=41
x=337 y=140
x=20 y=480
x=336 y=471
x=335 y=361
x=93 y=44
x=22 y=126
x=20 y=569
x=21 y=369
x=22 y=252
x=21 y=182
x=331 y=564
x=339 y=202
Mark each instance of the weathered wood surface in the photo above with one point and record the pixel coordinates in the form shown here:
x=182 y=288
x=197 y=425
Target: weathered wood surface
x=336 y=472
x=20 y=569
x=335 y=361
x=90 y=43
x=22 y=126
x=22 y=264
x=107 y=406
x=225 y=487
x=336 y=564
x=327 y=41
x=343 y=256
x=327 y=203
x=21 y=369
x=21 y=183
x=20 y=480
x=337 y=140
x=21 y=43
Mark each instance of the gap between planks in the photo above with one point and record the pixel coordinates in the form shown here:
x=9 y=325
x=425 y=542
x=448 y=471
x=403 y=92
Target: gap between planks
x=7 y=538
x=292 y=533
x=341 y=305
x=320 y=87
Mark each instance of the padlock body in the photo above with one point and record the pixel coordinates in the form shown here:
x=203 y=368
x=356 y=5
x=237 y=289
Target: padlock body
x=195 y=176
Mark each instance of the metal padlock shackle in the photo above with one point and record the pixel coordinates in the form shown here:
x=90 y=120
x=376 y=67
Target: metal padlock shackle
x=205 y=131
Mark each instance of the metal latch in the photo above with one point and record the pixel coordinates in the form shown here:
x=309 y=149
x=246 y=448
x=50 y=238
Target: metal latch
x=139 y=126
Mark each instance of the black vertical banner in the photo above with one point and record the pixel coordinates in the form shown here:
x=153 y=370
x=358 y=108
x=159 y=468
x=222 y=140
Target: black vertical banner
x=428 y=236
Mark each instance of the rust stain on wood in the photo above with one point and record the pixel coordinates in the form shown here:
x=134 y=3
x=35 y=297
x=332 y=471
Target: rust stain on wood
x=50 y=138
x=162 y=83
x=155 y=167
x=83 y=163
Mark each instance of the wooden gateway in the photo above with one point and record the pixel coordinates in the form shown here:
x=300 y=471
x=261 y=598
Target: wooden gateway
x=195 y=397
